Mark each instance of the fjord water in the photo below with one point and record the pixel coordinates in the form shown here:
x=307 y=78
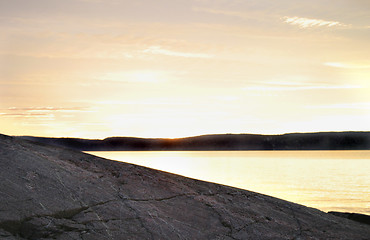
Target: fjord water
x=327 y=180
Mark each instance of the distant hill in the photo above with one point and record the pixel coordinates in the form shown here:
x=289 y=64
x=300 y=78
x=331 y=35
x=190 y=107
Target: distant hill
x=292 y=141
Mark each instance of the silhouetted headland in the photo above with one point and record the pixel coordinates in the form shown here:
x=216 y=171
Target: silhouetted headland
x=49 y=192
x=292 y=141
x=358 y=217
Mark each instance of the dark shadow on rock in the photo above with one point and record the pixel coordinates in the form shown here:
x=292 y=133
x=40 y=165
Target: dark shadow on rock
x=358 y=217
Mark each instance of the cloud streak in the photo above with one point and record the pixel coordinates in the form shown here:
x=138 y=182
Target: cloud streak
x=268 y=86
x=44 y=116
x=162 y=51
x=44 y=113
x=222 y=12
x=312 y=23
x=361 y=105
x=48 y=109
x=345 y=65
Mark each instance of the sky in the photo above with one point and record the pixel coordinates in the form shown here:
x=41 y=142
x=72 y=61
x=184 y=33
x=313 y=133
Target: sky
x=177 y=68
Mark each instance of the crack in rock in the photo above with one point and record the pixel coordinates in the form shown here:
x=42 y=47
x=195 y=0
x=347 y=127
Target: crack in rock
x=167 y=198
x=297 y=237
x=137 y=213
x=161 y=199
x=224 y=223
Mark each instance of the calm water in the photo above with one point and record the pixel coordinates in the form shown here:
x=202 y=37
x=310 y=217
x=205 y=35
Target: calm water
x=327 y=180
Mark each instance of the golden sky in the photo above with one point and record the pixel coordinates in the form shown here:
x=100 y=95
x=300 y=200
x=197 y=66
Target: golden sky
x=174 y=68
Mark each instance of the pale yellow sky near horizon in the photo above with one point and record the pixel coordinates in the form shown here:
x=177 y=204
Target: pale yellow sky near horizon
x=175 y=68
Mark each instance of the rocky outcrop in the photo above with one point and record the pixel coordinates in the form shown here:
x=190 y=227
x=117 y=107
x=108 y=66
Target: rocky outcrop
x=54 y=193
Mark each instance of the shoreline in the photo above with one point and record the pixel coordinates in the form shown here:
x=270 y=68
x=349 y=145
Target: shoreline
x=55 y=193
x=262 y=177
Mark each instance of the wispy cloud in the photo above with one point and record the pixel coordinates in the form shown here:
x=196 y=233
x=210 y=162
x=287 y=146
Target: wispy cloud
x=48 y=109
x=271 y=86
x=346 y=65
x=44 y=116
x=361 y=105
x=243 y=14
x=44 y=113
x=143 y=76
x=223 y=12
x=162 y=51
x=105 y=46
x=147 y=102
x=312 y=23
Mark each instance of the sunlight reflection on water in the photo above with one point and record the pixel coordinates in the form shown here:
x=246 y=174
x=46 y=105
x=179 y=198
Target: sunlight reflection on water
x=327 y=180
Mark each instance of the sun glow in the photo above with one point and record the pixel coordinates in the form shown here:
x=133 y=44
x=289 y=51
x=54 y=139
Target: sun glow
x=183 y=69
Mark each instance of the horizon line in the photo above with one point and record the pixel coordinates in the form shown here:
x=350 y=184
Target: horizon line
x=193 y=136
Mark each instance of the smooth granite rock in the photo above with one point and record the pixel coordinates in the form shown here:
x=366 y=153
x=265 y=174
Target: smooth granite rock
x=53 y=193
